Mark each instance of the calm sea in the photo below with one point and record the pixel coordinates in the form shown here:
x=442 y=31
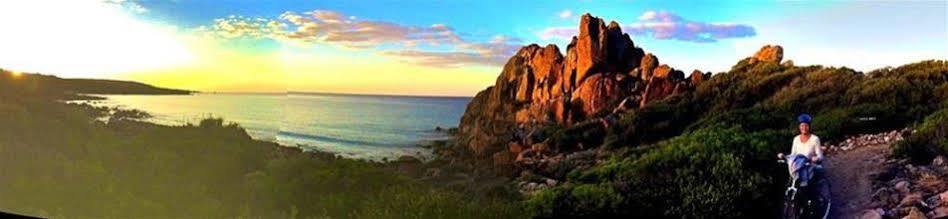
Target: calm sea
x=358 y=126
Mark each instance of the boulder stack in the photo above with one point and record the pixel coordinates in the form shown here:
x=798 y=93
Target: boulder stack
x=539 y=86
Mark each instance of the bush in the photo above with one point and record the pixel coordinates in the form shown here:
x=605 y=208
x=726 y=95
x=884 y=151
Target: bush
x=581 y=201
x=713 y=172
x=57 y=160
x=547 y=203
x=929 y=140
x=836 y=124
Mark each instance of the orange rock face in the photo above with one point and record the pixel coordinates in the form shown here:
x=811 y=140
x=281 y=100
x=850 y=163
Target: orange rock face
x=666 y=82
x=547 y=68
x=769 y=53
x=697 y=77
x=647 y=66
x=598 y=92
x=590 y=46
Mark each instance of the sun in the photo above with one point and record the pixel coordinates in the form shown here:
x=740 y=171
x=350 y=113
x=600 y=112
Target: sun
x=16 y=74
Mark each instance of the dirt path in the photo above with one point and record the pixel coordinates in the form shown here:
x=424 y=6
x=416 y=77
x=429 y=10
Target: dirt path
x=850 y=176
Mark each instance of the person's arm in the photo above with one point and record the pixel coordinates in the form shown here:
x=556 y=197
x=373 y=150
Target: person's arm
x=621 y=106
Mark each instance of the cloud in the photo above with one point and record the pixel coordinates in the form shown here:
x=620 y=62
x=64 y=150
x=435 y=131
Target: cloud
x=492 y=53
x=406 y=42
x=444 y=59
x=565 y=14
x=669 y=26
x=130 y=5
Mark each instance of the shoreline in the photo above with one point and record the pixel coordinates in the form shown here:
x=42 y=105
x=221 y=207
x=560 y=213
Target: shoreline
x=140 y=118
x=420 y=149
x=303 y=93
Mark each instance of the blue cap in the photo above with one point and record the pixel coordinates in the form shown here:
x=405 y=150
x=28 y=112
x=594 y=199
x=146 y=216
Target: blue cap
x=805 y=118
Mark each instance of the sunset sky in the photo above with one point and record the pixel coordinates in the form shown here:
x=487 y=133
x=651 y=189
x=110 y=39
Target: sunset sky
x=432 y=47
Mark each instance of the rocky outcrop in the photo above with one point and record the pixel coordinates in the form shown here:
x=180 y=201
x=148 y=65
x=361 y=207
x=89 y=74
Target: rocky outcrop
x=697 y=77
x=648 y=64
x=770 y=53
x=540 y=86
x=664 y=82
x=600 y=49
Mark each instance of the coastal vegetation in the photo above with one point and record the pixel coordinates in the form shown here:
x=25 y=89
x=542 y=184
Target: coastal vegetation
x=58 y=160
x=711 y=153
x=929 y=141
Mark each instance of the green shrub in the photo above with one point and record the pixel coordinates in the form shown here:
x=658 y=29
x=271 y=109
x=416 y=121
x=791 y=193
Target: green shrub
x=597 y=200
x=929 y=140
x=836 y=124
x=547 y=203
x=579 y=201
x=713 y=172
x=58 y=161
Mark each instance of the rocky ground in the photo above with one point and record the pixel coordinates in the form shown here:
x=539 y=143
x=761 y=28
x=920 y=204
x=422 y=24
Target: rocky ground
x=541 y=172
x=868 y=183
x=902 y=190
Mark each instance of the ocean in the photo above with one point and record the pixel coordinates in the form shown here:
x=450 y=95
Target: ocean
x=355 y=126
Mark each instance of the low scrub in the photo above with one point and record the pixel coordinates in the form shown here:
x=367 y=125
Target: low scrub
x=929 y=140
x=709 y=173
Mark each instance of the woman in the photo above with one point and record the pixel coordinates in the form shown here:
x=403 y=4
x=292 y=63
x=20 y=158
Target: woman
x=806 y=143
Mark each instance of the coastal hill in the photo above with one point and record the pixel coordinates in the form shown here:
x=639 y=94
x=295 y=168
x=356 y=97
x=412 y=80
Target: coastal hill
x=539 y=85
x=701 y=146
x=37 y=83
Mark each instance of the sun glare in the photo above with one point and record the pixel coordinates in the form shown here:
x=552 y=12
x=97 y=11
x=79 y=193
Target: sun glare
x=84 y=39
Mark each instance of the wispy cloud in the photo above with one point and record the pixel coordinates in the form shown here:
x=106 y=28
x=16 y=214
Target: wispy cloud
x=493 y=53
x=130 y=5
x=565 y=14
x=332 y=27
x=666 y=25
x=405 y=42
x=443 y=59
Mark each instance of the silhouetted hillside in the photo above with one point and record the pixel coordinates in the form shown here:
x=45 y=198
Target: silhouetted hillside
x=52 y=85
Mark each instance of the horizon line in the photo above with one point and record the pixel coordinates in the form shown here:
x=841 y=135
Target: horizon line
x=330 y=93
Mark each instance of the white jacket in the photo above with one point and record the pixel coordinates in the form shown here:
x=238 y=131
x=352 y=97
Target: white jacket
x=810 y=149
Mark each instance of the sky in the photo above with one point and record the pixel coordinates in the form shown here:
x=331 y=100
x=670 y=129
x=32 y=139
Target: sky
x=433 y=47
